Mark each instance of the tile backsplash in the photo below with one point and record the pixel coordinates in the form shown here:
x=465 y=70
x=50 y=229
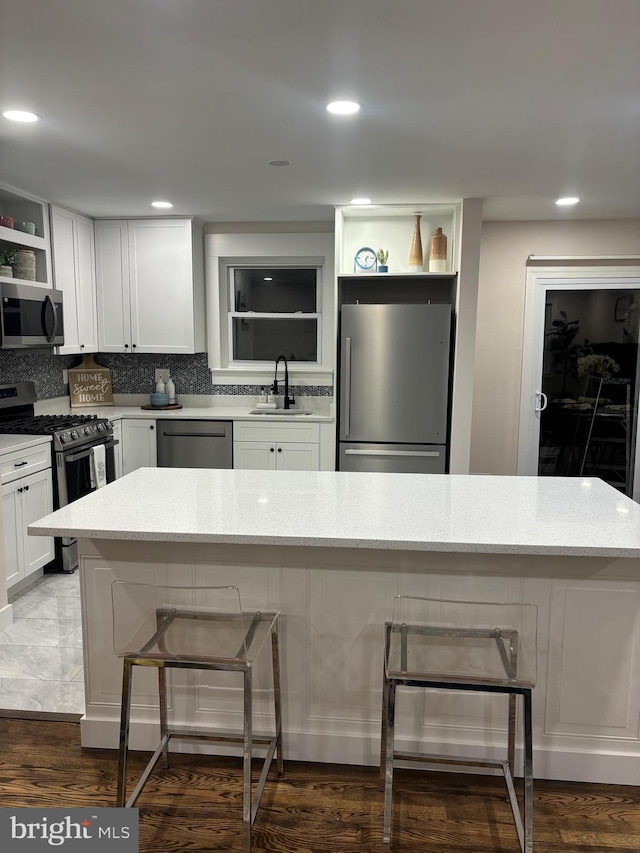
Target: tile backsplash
x=130 y=374
x=42 y=368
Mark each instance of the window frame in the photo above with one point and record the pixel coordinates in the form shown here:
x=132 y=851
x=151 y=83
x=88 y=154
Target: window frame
x=291 y=263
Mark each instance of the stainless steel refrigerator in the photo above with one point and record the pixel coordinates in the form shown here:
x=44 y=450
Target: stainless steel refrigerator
x=394 y=388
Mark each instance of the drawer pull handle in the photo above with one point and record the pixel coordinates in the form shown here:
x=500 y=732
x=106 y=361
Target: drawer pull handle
x=19 y=464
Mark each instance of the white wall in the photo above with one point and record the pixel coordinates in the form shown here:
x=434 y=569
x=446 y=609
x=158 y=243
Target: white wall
x=258 y=240
x=504 y=250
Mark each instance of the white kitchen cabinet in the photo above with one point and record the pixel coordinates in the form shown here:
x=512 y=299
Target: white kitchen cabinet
x=276 y=446
x=117 y=450
x=26 y=497
x=74 y=271
x=276 y=456
x=150 y=285
x=138 y=439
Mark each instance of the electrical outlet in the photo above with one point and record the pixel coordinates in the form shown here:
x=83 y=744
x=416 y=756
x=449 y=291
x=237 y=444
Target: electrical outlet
x=162 y=374
x=65 y=375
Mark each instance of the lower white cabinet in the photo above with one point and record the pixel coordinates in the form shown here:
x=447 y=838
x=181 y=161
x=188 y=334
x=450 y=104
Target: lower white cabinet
x=138 y=442
x=117 y=450
x=276 y=446
x=25 y=499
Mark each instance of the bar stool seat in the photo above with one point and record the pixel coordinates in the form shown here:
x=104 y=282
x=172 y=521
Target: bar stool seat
x=485 y=647
x=197 y=628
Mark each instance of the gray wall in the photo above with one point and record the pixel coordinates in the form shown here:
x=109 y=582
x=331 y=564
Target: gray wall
x=504 y=250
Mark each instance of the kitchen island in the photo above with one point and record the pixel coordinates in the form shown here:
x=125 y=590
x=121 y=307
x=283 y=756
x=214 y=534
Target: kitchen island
x=331 y=550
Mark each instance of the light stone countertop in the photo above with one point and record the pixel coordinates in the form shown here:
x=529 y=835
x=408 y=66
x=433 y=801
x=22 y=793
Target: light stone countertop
x=189 y=412
x=217 y=413
x=9 y=443
x=416 y=512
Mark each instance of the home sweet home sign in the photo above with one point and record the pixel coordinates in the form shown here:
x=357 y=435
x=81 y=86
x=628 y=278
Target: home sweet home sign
x=90 y=384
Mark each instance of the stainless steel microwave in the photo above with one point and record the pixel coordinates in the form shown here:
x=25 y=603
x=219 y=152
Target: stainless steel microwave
x=30 y=316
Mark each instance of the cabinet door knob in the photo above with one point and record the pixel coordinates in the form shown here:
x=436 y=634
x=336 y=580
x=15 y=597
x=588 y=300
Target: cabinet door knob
x=272 y=449
x=135 y=345
x=26 y=488
x=20 y=489
x=151 y=427
x=126 y=346
x=279 y=450
x=81 y=346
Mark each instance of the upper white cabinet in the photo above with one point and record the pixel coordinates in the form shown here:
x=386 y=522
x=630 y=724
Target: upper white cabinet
x=150 y=285
x=73 y=244
x=30 y=213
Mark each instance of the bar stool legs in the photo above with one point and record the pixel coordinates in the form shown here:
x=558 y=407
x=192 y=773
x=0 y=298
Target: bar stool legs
x=388 y=756
x=184 y=633
x=473 y=647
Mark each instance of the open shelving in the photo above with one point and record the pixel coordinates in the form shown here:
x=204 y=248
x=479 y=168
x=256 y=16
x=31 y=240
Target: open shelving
x=391 y=228
x=25 y=208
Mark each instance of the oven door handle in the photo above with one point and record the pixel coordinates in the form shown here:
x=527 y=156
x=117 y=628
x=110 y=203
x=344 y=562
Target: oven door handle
x=74 y=457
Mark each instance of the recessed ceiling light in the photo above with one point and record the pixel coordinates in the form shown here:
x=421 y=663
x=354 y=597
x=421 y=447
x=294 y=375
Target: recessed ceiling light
x=565 y=202
x=21 y=115
x=268 y=278
x=161 y=204
x=278 y=162
x=360 y=201
x=344 y=108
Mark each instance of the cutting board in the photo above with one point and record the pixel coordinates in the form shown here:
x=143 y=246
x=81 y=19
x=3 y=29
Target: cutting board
x=171 y=407
x=90 y=384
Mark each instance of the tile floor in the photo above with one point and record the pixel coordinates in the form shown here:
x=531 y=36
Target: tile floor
x=41 y=666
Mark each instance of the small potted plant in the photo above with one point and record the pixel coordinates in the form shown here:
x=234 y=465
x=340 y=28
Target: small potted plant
x=383 y=257
x=7 y=259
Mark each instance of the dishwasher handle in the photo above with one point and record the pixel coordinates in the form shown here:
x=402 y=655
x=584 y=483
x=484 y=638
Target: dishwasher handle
x=221 y=434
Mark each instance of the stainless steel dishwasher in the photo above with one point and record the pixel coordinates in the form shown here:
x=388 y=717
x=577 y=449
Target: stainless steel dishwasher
x=194 y=444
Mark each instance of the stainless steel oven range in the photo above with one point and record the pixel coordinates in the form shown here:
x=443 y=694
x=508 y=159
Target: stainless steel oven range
x=82 y=454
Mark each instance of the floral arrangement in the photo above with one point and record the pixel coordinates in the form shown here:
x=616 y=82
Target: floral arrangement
x=597 y=365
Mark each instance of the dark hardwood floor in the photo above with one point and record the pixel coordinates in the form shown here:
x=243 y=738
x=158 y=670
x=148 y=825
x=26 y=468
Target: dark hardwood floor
x=316 y=808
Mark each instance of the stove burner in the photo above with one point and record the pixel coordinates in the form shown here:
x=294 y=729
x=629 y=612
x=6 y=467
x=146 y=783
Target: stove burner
x=44 y=424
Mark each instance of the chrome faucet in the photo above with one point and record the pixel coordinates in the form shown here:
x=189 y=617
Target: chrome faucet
x=288 y=401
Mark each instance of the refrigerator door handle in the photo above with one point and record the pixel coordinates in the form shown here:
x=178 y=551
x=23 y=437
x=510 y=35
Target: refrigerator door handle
x=347 y=385
x=352 y=452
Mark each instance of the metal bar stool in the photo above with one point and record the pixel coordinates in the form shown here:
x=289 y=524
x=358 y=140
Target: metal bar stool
x=198 y=628
x=483 y=647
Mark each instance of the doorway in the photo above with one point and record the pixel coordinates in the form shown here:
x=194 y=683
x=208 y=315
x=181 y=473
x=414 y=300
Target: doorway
x=580 y=378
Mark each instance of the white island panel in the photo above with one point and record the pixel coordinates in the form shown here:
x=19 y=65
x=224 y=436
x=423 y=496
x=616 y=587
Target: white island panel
x=331 y=550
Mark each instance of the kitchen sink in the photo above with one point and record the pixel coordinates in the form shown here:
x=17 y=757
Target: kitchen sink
x=288 y=412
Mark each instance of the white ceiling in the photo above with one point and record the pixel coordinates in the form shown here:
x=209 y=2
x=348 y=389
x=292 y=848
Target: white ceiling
x=515 y=101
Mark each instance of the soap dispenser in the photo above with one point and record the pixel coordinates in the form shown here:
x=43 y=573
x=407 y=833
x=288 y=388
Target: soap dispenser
x=171 y=391
x=160 y=387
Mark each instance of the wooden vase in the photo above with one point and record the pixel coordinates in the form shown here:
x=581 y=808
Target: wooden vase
x=416 y=260
x=438 y=252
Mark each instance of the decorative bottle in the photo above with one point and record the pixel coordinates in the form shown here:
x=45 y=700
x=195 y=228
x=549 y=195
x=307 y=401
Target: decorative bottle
x=160 y=387
x=171 y=391
x=438 y=252
x=416 y=261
